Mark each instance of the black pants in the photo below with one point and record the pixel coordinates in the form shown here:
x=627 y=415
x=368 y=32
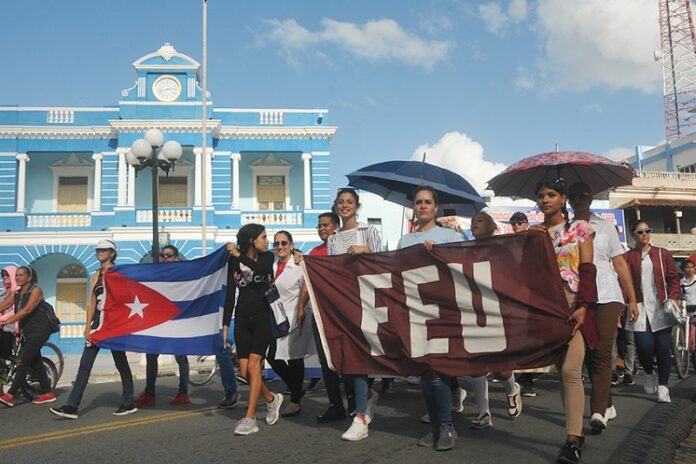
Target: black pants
x=6 y=344
x=331 y=378
x=31 y=359
x=291 y=371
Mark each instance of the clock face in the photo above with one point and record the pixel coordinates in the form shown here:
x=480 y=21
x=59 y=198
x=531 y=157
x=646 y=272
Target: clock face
x=166 y=88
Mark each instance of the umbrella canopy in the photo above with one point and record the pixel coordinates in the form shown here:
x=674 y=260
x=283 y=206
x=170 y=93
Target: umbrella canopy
x=520 y=179
x=395 y=181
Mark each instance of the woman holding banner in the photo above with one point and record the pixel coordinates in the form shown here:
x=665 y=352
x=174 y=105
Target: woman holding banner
x=355 y=238
x=436 y=389
x=483 y=226
x=572 y=241
x=251 y=273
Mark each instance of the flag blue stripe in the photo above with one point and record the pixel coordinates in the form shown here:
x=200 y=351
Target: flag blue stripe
x=182 y=271
x=207 y=304
x=208 y=344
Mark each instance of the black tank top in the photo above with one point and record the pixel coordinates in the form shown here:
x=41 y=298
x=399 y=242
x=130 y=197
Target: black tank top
x=98 y=291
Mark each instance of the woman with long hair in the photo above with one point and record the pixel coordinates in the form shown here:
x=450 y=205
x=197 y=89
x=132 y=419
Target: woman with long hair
x=688 y=286
x=483 y=226
x=7 y=334
x=656 y=279
x=250 y=272
x=35 y=329
x=572 y=242
x=436 y=388
x=287 y=354
x=354 y=238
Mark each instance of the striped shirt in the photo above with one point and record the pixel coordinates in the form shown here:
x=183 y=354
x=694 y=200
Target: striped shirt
x=363 y=235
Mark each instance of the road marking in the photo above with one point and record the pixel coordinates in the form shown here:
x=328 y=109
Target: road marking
x=107 y=427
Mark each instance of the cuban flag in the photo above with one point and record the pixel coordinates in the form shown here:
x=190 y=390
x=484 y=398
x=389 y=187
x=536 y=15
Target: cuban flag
x=165 y=308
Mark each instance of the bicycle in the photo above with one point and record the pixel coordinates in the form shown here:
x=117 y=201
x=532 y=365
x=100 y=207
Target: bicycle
x=30 y=388
x=202 y=368
x=683 y=342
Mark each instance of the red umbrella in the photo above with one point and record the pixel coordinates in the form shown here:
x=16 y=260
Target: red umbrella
x=520 y=179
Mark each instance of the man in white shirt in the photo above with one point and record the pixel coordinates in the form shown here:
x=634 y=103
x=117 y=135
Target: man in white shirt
x=611 y=268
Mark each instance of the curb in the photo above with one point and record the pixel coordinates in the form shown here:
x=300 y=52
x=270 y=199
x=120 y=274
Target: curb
x=663 y=428
x=105 y=377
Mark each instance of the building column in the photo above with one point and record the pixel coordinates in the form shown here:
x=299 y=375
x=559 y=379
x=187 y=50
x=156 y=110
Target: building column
x=21 y=182
x=197 y=177
x=122 y=166
x=131 y=187
x=306 y=158
x=235 y=179
x=96 y=201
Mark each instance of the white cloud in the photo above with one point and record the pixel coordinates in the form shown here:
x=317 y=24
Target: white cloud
x=493 y=17
x=524 y=79
x=377 y=40
x=620 y=153
x=591 y=108
x=599 y=42
x=436 y=24
x=459 y=153
x=517 y=10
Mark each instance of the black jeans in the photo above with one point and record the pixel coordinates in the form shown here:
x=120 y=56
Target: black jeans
x=331 y=378
x=6 y=344
x=89 y=355
x=31 y=359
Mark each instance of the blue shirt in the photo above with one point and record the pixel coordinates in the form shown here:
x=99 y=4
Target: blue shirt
x=436 y=234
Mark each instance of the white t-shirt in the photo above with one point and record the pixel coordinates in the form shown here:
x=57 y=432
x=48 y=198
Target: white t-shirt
x=606 y=245
x=689 y=289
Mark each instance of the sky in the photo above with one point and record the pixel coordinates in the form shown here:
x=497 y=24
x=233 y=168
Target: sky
x=475 y=85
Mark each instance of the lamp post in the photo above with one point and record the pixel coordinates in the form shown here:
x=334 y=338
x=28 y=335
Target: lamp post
x=152 y=152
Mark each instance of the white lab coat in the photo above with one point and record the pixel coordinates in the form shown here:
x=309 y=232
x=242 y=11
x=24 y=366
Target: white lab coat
x=298 y=343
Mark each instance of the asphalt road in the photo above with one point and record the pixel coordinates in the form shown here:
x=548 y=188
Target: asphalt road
x=200 y=433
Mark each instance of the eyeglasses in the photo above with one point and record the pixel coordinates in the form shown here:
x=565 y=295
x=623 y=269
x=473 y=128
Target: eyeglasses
x=102 y=250
x=579 y=196
x=167 y=255
x=517 y=223
x=280 y=243
x=642 y=231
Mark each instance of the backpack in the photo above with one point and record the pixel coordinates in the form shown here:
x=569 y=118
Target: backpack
x=53 y=321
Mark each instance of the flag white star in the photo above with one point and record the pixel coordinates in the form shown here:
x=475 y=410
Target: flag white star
x=136 y=308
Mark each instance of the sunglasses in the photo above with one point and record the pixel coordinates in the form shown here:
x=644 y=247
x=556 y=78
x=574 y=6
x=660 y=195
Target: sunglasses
x=167 y=255
x=102 y=250
x=280 y=243
x=642 y=231
x=518 y=223
x=579 y=196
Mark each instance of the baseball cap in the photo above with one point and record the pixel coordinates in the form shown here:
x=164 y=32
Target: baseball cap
x=518 y=217
x=104 y=244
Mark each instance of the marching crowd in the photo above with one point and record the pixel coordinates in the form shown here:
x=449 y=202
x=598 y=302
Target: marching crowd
x=605 y=286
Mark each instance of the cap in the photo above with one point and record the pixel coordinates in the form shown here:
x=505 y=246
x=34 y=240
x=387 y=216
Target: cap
x=104 y=244
x=518 y=217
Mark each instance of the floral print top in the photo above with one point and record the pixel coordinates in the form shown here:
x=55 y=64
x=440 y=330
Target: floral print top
x=566 y=243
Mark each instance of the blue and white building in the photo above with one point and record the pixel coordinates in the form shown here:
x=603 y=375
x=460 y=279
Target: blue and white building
x=65 y=182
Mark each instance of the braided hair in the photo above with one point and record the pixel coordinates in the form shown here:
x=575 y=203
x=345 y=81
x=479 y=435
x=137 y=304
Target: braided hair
x=557 y=184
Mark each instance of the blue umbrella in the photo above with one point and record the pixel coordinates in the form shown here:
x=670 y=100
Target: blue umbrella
x=395 y=181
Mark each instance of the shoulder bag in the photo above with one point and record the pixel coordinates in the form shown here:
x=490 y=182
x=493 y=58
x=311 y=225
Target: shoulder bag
x=673 y=313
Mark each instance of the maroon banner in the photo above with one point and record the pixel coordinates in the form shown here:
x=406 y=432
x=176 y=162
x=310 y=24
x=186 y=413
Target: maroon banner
x=462 y=309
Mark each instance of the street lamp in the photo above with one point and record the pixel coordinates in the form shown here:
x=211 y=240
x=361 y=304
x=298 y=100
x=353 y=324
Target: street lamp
x=152 y=152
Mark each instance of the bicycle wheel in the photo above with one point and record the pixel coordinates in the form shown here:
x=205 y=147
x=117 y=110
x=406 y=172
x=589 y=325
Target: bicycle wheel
x=680 y=350
x=201 y=369
x=31 y=388
x=52 y=352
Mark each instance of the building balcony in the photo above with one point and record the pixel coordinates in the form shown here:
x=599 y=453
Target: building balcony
x=165 y=215
x=284 y=218
x=676 y=243
x=58 y=220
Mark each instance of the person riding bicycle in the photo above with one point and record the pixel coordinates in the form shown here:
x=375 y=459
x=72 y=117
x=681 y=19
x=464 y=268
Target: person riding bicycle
x=688 y=286
x=35 y=330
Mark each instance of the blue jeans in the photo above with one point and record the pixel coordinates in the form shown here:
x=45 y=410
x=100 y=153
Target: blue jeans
x=151 y=373
x=361 y=388
x=229 y=380
x=658 y=344
x=89 y=355
x=438 y=399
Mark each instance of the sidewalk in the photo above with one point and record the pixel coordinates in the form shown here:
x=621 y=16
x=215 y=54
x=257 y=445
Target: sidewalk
x=104 y=369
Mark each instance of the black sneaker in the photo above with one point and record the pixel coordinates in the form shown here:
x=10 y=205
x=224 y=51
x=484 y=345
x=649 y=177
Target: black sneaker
x=614 y=379
x=65 y=411
x=528 y=390
x=124 y=410
x=628 y=379
x=570 y=453
x=230 y=401
x=334 y=413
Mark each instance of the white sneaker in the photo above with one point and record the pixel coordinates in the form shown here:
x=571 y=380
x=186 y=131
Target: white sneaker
x=273 y=409
x=663 y=394
x=610 y=414
x=650 y=384
x=425 y=418
x=371 y=403
x=598 y=422
x=246 y=426
x=515 y=402
x=458 y=397
x=356 y=432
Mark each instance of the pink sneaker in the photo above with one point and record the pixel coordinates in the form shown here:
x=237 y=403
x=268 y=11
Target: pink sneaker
x=45 y=398
x=7 y=400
